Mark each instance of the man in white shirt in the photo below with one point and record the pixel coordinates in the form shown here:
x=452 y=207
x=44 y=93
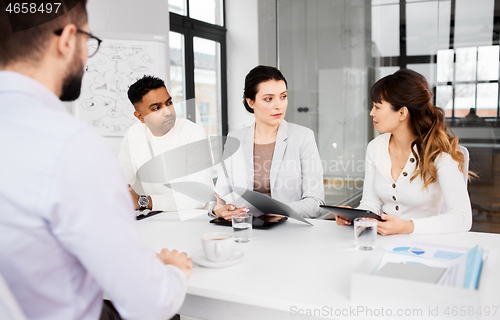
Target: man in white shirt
x=67 y=228
x=162 y=149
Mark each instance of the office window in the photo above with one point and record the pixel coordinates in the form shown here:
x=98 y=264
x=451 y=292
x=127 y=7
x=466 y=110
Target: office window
x=209 y=11
x=198 y=62
x=385 y=22
x=177 y=72
x=444 y=99
x=468 y=78
x=455 y=47
x=207 y=83
x=428 y=70
x=421 y=34
x=473 y=23
x=177 y=6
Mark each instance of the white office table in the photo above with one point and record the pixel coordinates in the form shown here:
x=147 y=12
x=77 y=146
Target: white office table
x=291 y=268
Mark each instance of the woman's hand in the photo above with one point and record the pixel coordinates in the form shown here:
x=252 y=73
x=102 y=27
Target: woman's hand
x=226 y=211
x=393 y=225
x=341 y=221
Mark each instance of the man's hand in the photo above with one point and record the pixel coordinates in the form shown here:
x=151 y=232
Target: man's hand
x=178 y=259
x=135 y=199
x=393 y=225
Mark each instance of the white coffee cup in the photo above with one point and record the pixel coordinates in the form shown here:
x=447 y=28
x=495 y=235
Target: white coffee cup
x=217 y=245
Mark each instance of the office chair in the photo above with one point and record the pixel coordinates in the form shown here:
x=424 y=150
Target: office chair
x=466 y=167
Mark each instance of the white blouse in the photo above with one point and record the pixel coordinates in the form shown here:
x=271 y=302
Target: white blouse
x=408 y=199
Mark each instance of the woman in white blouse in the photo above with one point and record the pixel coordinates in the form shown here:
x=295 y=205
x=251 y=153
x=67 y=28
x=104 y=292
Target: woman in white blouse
x=274 y=157
x=414 y=165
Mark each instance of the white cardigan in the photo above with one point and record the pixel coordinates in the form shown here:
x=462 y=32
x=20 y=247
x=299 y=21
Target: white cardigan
x=408 y=200
x=296 y=175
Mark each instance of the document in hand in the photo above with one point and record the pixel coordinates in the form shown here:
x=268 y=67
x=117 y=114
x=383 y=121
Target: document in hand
x=267 y=204
x=441 y=264
x=350 y=213
x=258 y=203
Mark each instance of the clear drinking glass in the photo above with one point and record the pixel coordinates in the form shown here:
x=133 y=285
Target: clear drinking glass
x=365 y=233
x=242 y=226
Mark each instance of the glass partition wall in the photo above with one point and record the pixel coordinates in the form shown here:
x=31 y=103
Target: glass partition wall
x=332 y=51
x=325 y=49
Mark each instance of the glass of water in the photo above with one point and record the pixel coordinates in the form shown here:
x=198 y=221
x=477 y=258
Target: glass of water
x=365 y=233
x=242 y=226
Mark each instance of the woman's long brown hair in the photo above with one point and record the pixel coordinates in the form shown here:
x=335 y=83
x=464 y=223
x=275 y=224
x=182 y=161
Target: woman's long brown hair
x=407 y=88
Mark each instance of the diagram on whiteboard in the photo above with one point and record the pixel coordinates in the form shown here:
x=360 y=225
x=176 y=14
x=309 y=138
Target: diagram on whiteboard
x=103 y=102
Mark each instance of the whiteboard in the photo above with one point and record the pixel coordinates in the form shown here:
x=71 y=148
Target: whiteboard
x=103 y=102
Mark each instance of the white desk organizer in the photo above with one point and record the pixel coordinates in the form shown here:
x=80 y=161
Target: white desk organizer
x=398 y=292
x=376 y=291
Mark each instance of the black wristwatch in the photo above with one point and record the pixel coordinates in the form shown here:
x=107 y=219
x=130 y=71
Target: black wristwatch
x=143 y=202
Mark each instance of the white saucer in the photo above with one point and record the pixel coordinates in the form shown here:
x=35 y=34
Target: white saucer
x=235 y=257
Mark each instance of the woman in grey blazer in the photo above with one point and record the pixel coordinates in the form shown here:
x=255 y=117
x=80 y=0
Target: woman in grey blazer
x=276 y=158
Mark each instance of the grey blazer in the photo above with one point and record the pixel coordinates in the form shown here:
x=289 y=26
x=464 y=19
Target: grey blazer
x=296 y=175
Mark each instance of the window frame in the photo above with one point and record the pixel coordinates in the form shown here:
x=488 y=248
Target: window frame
x=403 y=59
x=191 y=28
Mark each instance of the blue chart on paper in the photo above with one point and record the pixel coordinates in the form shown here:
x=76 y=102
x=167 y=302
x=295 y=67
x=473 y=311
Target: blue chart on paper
x=409 y=250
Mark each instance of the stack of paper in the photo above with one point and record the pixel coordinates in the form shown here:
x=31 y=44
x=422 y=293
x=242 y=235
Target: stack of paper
x=427 y=262
x=415 y=272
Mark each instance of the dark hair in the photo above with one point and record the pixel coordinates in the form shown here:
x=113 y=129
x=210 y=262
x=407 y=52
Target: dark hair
x=407 y=88
x=142 y=86
x=255 y=77
x=30 y=43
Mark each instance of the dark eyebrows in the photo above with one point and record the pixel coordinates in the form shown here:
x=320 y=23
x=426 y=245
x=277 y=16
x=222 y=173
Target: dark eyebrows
x=158 y=104
x=272 y=94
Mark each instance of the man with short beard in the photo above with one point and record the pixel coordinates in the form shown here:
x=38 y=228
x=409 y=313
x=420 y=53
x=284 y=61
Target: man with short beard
x=181 y=144
x=66 y=221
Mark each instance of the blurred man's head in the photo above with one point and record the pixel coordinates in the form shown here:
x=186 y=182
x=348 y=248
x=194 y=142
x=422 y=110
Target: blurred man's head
x=53 y=53
x=153 y=104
